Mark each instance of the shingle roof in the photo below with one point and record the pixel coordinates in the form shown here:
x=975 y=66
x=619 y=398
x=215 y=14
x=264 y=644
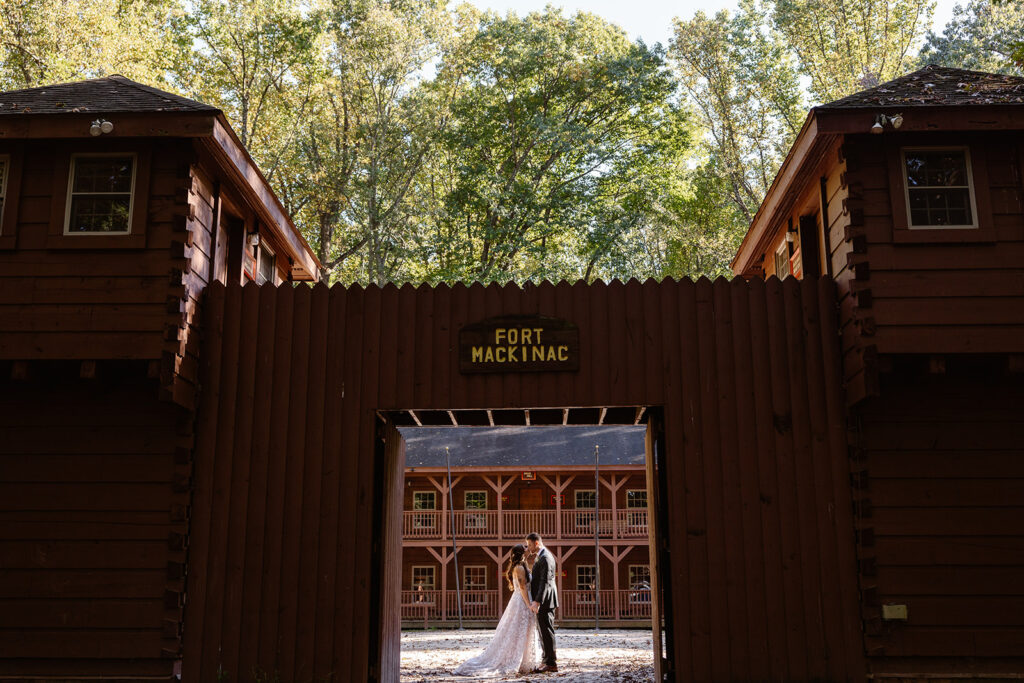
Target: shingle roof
x=111 y=94
x=938 y=85
x=523 y=446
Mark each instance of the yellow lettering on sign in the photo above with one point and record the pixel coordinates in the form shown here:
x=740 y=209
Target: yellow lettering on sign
x=563 y=353
x=538 y=353
x=477 y=354
x=513 y=335
x=499 y=354
x=551 y=353
x=526 y=334
x=489 y=355
x=499 y=335
x=537 y=331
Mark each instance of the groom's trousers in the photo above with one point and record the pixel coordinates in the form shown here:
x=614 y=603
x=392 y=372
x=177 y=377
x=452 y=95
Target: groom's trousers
x=546 y=622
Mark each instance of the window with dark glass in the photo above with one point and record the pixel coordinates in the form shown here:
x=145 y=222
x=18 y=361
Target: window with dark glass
x=782 y=269
x=938 y=188
x=423 y=576
x=268 y=264
x=424 y=503
x=100 y=194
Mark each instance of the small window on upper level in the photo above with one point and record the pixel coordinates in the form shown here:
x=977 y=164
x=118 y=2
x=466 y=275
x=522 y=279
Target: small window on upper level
x=938 y=187
x=100 y=194
x=267 y=267
x=782 y=269
x=5 y=165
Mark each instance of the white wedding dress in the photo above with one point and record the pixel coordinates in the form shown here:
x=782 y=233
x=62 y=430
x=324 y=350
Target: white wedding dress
x=515 y=646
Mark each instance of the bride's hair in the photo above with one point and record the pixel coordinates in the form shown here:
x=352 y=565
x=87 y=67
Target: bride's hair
x=517 y=558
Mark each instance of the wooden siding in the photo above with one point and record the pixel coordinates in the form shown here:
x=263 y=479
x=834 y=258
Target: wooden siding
x=288 y=493
x=947 y=291
x=93 y=493
x=941 y=521
x=106 y=303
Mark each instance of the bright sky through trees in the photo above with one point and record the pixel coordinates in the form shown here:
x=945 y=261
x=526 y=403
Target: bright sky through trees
x=651 y=20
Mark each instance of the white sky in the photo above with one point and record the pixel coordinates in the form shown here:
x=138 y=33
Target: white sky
x=652 y=19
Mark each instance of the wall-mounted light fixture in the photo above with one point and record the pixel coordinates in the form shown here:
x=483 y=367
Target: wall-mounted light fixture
x=881 y=120
x=254 y=239
x=100 y=127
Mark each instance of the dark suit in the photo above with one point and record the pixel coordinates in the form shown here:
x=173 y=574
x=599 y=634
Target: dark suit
x=543 y=591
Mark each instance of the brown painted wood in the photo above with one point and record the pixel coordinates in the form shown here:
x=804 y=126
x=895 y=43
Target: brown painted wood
x=720 y=359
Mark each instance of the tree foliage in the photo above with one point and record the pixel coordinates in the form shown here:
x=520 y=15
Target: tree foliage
x=847 y=45
x=415 y=140
x=983 y=35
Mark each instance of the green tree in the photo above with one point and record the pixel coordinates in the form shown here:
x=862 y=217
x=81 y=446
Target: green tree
x=982 y=35
x=844 y=46
x=53 y=41
x=556 y=124
x=743 y=87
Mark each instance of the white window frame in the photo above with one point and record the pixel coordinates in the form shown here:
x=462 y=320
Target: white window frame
x=970 y=186
x=465 y=500
x=259 y=262
x=586 y=595
x=635 y=598
x=71 y=185
x=426 y=520
x=5 y=159
x=576 y=499
x=433 y=497
x=433 y=576
x=783 y=253
x=636 y=507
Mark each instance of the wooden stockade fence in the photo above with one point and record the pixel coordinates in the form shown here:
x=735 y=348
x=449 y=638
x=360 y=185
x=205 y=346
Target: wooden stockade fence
x=294 y=515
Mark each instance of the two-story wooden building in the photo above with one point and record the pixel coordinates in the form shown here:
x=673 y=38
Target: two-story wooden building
x=506 y=483
x=909 y=195
x=119 y=204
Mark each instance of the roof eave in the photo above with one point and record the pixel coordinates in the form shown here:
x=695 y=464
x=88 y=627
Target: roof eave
x=765 y=216
x=228 y=149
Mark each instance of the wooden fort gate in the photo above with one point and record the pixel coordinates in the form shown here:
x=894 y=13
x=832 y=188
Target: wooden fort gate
x=295 y=549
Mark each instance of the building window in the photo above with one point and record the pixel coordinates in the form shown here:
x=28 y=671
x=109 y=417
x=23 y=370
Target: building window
x=586 y=499
x=267 y=266
x=474 y=578
x=639 y=583
x=636 y=498
x=100 y=194
x=5 y=164
x=586 y=580
x=476 y=500
x=423 y=576
x=424 y=500
x=938 y=187
x=782 y=269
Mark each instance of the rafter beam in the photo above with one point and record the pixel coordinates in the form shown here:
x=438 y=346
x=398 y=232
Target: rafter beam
x=565 y=416
x=639 y=415
x=527 y=413
x=451 y=416
x=490 y=418
x=415 y=417
x=600 y=420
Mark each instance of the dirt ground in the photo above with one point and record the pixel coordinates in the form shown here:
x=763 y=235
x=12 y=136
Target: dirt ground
x=583 y=656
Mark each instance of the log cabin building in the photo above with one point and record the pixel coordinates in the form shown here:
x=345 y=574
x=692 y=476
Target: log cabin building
x=909 y=196
x=507 y=483
x=119 y=205
x=834 y=460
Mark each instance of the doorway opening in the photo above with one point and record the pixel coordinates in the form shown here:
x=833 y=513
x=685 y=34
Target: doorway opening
x=467 y=486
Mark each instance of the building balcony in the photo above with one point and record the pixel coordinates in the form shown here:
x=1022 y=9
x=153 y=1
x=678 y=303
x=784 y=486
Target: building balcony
x=438 y=607
x=513 y=525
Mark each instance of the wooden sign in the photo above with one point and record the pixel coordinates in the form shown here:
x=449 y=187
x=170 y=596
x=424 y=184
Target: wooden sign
x=528 y=476
x=519 y=344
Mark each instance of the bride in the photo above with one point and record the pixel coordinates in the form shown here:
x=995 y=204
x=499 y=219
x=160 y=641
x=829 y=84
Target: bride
x=515 y=647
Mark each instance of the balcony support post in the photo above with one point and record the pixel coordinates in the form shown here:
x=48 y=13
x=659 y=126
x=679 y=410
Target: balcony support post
x=613 y=487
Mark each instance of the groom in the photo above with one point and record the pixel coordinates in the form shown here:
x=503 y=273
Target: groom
x=545 y=598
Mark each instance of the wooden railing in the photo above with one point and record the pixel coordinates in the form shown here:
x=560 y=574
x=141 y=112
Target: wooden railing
x=434 y=524
x=488 y=605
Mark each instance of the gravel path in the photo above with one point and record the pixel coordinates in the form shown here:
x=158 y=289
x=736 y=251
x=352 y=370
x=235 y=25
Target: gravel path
x=583 y=655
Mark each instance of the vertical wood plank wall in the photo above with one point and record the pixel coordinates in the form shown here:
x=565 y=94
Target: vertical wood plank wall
x=760 y=529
